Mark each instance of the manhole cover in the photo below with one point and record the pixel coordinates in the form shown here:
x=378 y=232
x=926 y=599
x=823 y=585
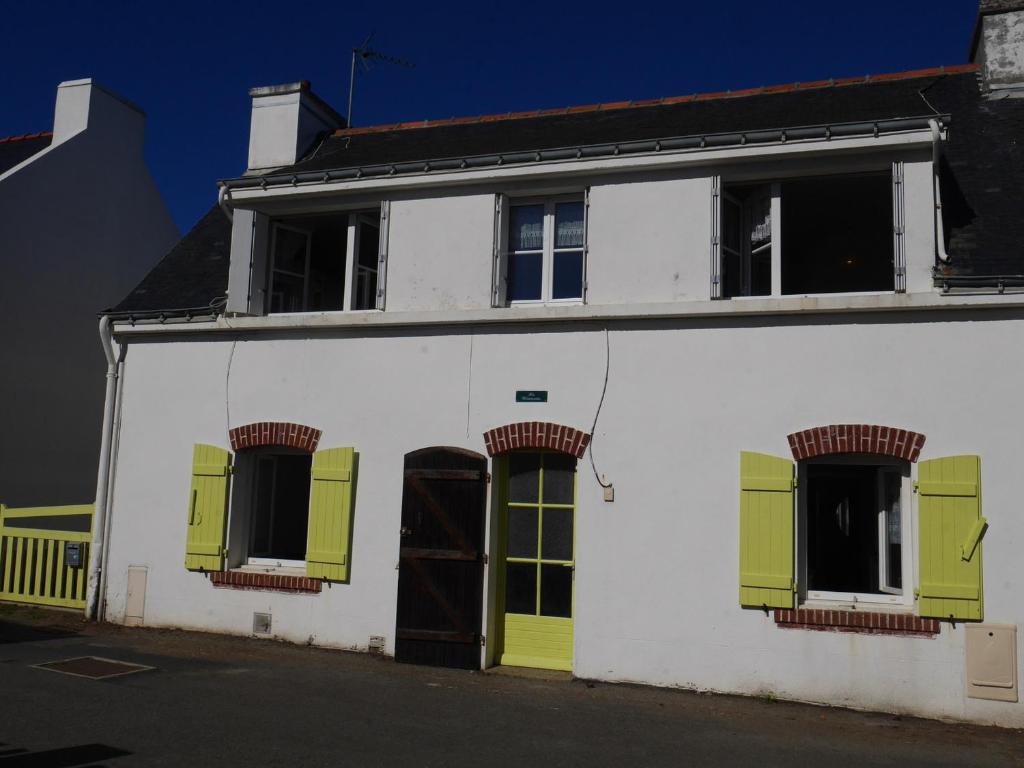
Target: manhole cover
x=94 y=667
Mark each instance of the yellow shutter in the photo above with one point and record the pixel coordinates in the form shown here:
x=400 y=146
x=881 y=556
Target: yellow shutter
x=330 y=514
x=766 y=531
x=950 y=531
x=207 y=508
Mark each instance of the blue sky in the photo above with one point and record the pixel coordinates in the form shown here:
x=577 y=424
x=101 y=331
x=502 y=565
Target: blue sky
x=189 y=65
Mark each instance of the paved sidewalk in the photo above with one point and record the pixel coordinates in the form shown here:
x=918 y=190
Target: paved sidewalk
x=222 y=701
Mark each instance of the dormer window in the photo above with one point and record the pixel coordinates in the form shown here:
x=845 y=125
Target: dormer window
x=325 y=263
x=828 y=234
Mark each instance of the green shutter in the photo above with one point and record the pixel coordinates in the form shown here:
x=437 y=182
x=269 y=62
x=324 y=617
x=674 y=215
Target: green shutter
x=330 y=514
x=207 y=508
x=766 y=531
x=950 y=531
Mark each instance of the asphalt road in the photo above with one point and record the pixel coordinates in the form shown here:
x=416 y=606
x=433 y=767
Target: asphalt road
x=223 y=701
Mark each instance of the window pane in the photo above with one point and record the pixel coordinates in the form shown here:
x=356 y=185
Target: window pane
x=524 y=478
x=263 y=497
x=567 y=281
x=893 y=531
x=569 y=225
x=556 y=591
x=526 y=228
x=291 y=507
x=524 y=276
x=286 y=293
x=521 y=588
x=522 y=532
x=369 y=241
x=556 y=540
x=559 y=473
x=290 y=250
x=842 y=528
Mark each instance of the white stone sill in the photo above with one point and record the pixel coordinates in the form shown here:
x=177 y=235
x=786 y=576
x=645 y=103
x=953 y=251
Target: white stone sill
x=726 y=308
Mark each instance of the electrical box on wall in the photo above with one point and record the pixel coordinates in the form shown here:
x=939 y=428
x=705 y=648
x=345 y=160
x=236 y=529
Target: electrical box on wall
x=991 y=657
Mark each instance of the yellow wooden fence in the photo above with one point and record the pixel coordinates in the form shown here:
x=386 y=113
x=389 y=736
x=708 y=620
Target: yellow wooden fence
x=34 y=554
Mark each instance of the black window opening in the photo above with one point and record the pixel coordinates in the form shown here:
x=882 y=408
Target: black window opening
x=309 y=262
x=280 y=506
x=854 y=529
x=830 y=234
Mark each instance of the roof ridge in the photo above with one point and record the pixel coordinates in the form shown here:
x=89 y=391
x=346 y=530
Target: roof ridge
x=26 y=136
x=614 y=105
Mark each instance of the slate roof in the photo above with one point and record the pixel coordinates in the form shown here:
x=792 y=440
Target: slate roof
x=982 y=170
x=15 y=149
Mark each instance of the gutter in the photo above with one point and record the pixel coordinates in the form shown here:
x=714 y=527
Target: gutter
x=668 y=145
x=100 y=527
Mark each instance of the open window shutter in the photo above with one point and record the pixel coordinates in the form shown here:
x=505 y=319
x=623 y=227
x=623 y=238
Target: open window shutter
x=330 y=514
x=259 y=275
x=382 y=255
x=499 y=280
x=951 y=527
x=766 y=531
x=716 y=237
x=207 y=508
x=586 y=239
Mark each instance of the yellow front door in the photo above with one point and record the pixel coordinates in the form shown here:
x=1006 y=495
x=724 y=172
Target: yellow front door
x=538 y=532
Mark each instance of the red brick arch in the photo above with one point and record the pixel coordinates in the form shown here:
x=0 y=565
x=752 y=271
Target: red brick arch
x=856 y=438
x=536 y=434
x=283 y=433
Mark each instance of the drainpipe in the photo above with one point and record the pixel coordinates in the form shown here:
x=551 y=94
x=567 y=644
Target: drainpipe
x=99 y=527
x=940 y=235
x=224 y=201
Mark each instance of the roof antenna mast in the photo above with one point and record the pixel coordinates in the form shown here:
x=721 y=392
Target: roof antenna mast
x=362 y=56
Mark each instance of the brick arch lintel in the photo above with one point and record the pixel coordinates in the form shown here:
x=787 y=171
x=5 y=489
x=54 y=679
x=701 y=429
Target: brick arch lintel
x=856 y=438
x=536 y=434
x=283 y=433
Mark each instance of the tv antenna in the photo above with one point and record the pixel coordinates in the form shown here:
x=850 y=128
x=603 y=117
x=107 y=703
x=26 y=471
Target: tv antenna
x=362 y=56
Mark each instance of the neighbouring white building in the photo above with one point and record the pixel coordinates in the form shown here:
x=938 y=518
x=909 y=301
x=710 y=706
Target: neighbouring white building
x=81 y=221
x=700 y=392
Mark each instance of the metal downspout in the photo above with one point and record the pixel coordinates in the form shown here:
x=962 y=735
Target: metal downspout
x=940 y=234
x=224 y=201
x=97 y=548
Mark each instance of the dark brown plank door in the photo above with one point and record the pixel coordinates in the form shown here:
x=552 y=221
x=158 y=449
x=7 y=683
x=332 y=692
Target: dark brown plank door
x=440 y=572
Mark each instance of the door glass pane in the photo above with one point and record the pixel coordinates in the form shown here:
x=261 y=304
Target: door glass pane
x=567 y=280
x=556 y=539
x=286 y=293
x=522 y=532
x=521 y=588
x=524 y=276
x=559 y=472
x=569 y=225
x=555 y=591
x=523 y=478
x=526 y=228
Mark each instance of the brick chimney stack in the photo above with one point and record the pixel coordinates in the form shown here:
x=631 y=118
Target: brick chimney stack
x=998 y=43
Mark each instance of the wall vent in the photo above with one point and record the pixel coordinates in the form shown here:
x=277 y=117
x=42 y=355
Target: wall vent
x=261 y=623
x=376 y=644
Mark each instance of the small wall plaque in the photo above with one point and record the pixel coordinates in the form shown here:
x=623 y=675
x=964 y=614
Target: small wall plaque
x=531 y=395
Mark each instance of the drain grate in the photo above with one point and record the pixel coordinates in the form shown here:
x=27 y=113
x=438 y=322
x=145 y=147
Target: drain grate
x=93 y=667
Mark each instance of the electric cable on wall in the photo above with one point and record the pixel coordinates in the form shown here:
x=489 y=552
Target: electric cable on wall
x=593 y=427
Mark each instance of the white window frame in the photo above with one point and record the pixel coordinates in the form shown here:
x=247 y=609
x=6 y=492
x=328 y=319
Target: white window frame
x=903 y=600
x=719 y=193
x=548 y=250
x=250 y=559
x=379 y=217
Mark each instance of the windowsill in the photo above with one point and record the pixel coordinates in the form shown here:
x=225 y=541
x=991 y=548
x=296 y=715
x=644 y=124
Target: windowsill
x=723 y=308
x=873 y=622
x=256 y=578
x=280 y=570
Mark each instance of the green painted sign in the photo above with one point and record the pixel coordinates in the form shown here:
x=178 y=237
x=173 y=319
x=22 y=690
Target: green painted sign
x=531 y=395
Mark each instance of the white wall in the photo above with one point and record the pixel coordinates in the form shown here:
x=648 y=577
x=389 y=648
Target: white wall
x=80 y=224
x=656 y=576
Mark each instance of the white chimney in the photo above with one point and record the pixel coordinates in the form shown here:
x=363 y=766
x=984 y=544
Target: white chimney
x=998 y=43
x=286 y=120
x=85 y=105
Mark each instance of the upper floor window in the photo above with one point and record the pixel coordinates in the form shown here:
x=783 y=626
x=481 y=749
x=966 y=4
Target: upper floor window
x=540 y=250
x=326 y=262
x=831 y=234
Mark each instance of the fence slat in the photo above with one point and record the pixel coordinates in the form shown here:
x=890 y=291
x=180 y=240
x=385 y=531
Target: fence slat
x=37 y=583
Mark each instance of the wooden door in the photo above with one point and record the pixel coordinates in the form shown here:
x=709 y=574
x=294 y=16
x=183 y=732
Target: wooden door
x=440 y=572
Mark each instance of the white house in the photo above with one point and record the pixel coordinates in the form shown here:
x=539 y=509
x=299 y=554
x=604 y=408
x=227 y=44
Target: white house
x=81 y=221
x=699 y=392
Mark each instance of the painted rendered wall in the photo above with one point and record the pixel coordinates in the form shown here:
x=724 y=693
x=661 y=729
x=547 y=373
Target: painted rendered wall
x=80 y=223
x=657 y=570
x=1001 y=48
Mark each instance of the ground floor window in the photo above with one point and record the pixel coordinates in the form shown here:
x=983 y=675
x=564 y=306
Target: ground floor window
x=853 y=531
x=279 y=520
